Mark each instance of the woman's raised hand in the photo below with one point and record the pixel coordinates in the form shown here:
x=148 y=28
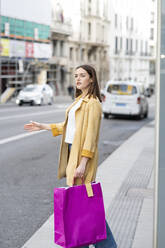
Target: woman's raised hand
x=34 y=126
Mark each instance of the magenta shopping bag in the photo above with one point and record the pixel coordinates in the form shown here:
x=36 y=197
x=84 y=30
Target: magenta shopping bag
x=79 y=219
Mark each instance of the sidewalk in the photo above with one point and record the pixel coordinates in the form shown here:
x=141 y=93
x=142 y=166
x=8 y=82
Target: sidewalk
x=127 y=182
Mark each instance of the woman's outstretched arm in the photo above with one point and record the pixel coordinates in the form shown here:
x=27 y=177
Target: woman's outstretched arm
x=36 y=126
x=56 y=128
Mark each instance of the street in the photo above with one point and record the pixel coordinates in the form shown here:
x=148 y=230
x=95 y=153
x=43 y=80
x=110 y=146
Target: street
x=28 y=165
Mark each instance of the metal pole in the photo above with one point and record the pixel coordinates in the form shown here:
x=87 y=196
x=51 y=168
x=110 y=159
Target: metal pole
x=0 y=52
x=159 y=237
x=155 y=235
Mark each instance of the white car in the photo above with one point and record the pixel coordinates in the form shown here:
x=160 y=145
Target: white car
x=38 y=94
x=125 y=98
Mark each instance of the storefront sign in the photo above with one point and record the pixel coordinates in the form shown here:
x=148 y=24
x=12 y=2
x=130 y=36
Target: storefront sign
x=29 y=49
x=5 y=47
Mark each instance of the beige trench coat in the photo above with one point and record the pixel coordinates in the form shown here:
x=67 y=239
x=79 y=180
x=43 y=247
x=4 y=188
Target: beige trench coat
x=88 y=118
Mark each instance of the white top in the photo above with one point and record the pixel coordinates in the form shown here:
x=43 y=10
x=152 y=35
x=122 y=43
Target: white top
x=71 y=124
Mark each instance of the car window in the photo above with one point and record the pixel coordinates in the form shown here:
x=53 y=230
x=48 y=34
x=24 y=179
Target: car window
x=30 y=88
x=122 y=89
x=47 y=88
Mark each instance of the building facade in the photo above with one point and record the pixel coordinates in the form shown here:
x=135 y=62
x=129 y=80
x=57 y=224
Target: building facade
x=25 y=46
x=131 y=52
x=89 y=40
x=61 y=29
x=109 y=35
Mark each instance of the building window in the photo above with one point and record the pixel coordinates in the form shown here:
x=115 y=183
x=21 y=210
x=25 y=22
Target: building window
x=54 y=47
x=115 y=20
x=127 y=22
x=116 y=45
x=152 y=17
x=151 y=50
x=105 y=55
x=89 y=57
x=152 y=68
x=89 y=10
x=61 y=48
x=82 y=54
x=136 y=45
x=77 y=55
x=89 y=30
x=146 y=47
x=94 y=56
x=127 y=45
x=131 y=46
x=103 y=33
x=131 y=23
x=151 y=33
x=71 y=53
x=121 y=43
x=141 y=47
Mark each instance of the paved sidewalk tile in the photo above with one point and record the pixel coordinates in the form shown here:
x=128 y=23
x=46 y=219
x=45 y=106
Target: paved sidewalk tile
x=144 y=231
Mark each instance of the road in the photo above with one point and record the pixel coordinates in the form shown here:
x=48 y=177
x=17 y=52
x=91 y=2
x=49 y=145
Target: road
x=29 y=162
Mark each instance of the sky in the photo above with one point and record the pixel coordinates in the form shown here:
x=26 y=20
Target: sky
x=31 y=10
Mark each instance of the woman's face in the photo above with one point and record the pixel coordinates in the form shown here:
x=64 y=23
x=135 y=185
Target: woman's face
x=82 y=79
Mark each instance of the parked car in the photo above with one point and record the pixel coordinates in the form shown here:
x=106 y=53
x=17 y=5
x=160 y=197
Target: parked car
x=38 y=94
x=125 y=98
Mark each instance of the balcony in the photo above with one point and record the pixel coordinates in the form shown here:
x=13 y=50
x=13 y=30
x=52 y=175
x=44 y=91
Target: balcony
x=61 y=28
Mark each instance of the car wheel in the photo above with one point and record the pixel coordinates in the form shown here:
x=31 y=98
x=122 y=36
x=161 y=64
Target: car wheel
x=146 y=114
x=51 y=101
x=20 y=104
x=106 y=115
x=32 y=103
x=140 y=115
x=41 y=102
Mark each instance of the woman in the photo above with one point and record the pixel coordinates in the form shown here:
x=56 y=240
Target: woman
x=80 y=133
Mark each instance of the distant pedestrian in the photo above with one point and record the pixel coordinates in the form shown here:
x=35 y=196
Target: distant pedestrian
x=71 y=91
x=80 y=134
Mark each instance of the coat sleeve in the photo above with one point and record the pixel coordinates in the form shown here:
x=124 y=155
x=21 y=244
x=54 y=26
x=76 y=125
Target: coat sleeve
x=93 y=128
x=57 y=128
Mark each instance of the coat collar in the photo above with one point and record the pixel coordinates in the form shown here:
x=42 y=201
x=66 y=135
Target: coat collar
x=85 y=99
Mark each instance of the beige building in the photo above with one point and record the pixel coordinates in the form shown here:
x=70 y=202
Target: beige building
x=79 y=36
x=89 y=42
x=61 y=29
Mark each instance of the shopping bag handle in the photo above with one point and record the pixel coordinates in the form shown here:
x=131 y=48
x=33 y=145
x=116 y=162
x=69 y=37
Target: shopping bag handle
x=87 y=185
